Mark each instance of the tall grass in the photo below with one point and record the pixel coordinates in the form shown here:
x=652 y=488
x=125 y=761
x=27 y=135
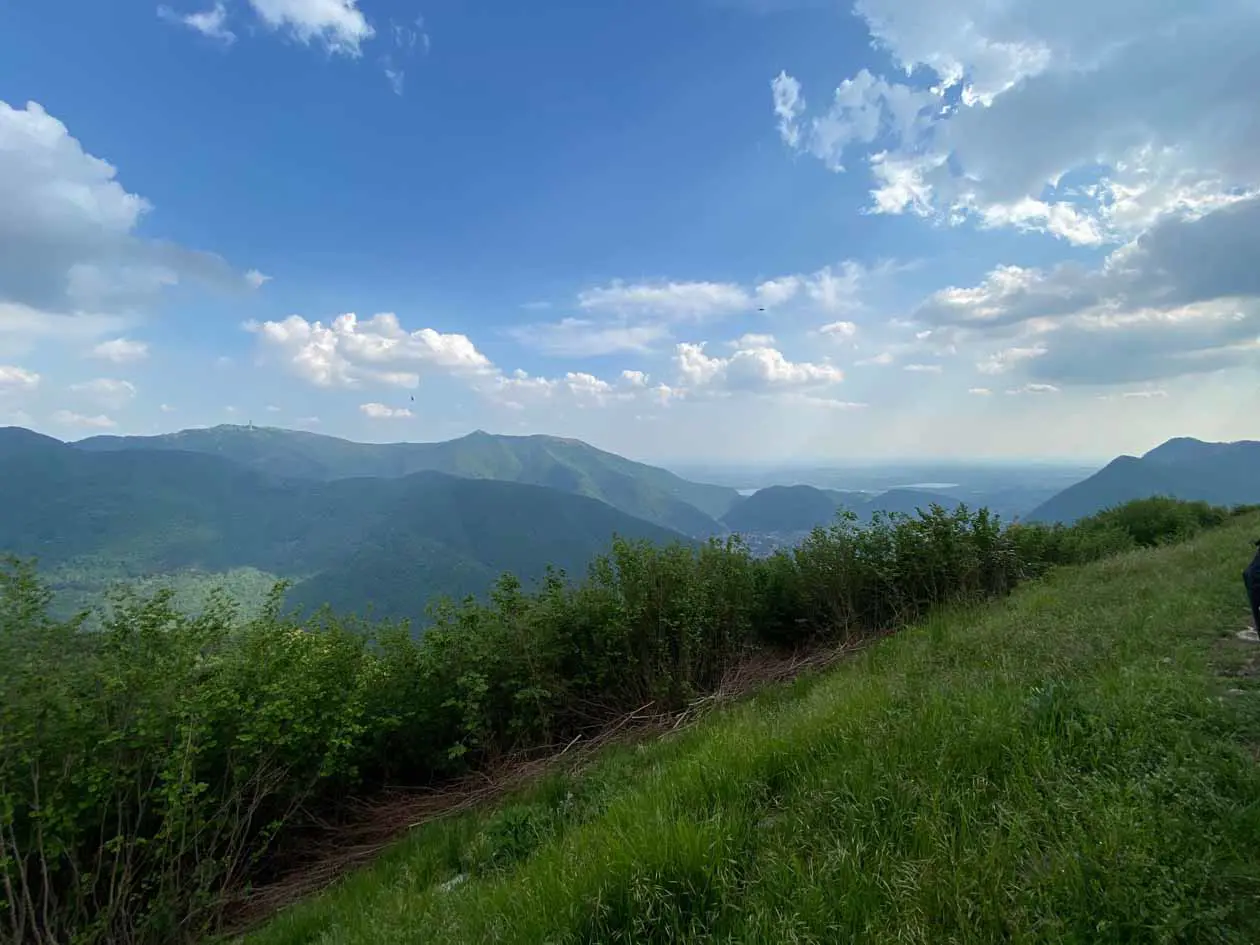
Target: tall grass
x=148 y=767
x=1060 y=768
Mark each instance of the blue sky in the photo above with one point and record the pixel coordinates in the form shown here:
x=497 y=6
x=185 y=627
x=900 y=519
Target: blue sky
x=684 y=230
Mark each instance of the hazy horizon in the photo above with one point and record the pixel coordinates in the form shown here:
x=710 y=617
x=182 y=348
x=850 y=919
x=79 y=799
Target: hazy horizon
x=729 y=467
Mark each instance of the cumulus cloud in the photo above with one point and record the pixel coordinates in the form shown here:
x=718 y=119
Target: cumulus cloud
x=211 y=23
x=121 y=350
x=14 y=379
x=753 y=369
x=69 y=418
x=1181 y=298
x=1085 y=122
x=110 y=393
x=71 y=263
x=753 y=340
x=338 y=25
x=520 y=389
x=863 y=109
x=383 y=412
x=348 y=352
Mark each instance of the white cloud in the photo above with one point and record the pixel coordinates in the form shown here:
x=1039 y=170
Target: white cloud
x=832 y=289
x=71 y=262
x=576 y=388
x=582 y=337
x=1002 y=361
x=339 y=25
x=752 y=340
x=837 y=291
x=751 y=369
x=15 y=379
x=256 y=279
x=583 y=384
x=883 y=359
x=166 y=408
x=383 y=412
x=1182 y=298
x=1034 y=389
x=395 y=76
x=1082 y=121
x=922 y=368
x=69 y=418
x=775 y=292
x=840 y=329
x=979 y=391
x=121 y=350
x=788 y=107
x=863 y=109
x=111 y=393
x=348 y=351
x=210 y=23
x=672 y=300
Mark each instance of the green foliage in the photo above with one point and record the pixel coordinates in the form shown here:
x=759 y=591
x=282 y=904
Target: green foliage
x=1142 y=523
x=150 y=764
x=1064 y=767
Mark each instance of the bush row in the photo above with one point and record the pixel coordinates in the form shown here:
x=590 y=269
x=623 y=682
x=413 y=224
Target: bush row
x=148 y=766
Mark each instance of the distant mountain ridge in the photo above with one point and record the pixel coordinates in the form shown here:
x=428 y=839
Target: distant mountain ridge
x=647 y=492
x=390 y=544
x=799 y=508
x=1183 y=467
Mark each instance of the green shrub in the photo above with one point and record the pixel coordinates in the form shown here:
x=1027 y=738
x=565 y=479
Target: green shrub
x=150 y=766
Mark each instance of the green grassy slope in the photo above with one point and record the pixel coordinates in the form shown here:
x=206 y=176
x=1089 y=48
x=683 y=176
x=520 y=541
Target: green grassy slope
x=1063 y=766
x=646 y=492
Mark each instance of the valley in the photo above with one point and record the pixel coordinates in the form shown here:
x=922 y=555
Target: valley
x=389 y=529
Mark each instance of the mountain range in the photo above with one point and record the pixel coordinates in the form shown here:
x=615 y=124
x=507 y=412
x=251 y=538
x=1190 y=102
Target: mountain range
x=389 y=526
x=790 y=510
x=647 y=492
x=1183 y=467
x=389 y=543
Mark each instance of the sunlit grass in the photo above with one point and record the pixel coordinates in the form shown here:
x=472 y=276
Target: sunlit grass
x=1064 y=766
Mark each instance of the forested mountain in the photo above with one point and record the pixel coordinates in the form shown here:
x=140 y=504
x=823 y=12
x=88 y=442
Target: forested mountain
x=782 y=509
x=643 y=491
x=787 y=510
x=1183 y=467
x=388 y=543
